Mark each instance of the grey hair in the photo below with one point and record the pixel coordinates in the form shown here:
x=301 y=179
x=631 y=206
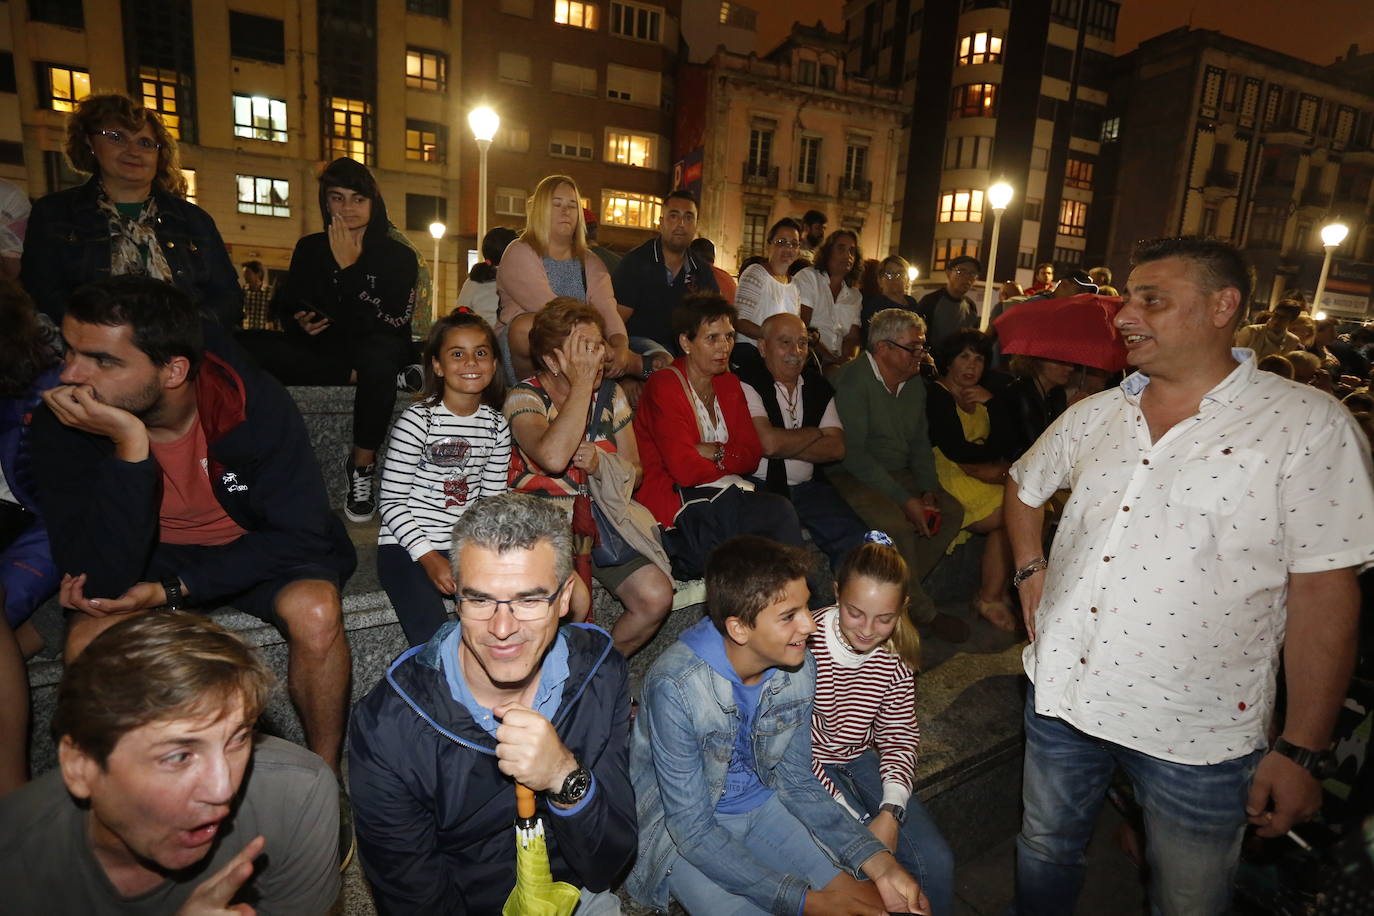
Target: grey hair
x=514 y=521
x=890 y=323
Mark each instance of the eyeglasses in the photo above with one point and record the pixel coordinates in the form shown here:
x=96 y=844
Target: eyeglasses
x=915 y=350
x=120 y=138
x=532 y=607
x=786 y=243
x=892 y=275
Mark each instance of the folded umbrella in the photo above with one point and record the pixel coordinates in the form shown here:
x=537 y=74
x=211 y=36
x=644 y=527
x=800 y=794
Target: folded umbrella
x=1078 y=330
x=535 y=892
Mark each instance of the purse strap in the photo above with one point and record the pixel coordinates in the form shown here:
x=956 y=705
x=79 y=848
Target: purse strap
x=691 y=405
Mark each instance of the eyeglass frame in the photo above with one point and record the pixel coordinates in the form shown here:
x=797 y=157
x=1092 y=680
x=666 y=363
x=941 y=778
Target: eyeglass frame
x=546 y=600
x=790 y=243
x=917 y=350
x=892 y=275
x=119 y=138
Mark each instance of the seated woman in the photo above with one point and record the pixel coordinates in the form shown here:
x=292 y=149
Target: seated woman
x=830 y=298
x=131 y=217
x=893 y=280
x=970 y=461
x=1031 y=402
x=864 y=734
x=551 y=258
x=697 y=442
x=766 y=288
x=558 y=448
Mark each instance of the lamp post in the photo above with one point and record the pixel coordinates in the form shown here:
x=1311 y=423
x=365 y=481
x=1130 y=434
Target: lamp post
x=911 y=274
x=484 y=123
x=999 y=195
x=1332 y=236
x=437 y=230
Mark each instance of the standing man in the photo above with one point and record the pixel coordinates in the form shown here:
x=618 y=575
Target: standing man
x=951 y=309
x=1219 y=517
x=652 y=279
x=163 y=800
x=793 y=409
x=257 y=298
x=888 y=472
x=172 y=472
x=502 y=695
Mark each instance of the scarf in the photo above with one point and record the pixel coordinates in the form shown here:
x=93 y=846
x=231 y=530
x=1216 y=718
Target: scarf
x=134 y=248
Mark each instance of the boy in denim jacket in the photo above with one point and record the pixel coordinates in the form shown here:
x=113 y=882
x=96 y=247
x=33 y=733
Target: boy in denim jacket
x=731 y=817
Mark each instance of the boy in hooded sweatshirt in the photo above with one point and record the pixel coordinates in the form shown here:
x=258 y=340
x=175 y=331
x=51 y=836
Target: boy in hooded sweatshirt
x=731 y=817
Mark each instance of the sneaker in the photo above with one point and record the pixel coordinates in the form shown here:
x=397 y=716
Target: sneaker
x=947 y=627
x=348 y=840
x=359 y=502
x=411 y=378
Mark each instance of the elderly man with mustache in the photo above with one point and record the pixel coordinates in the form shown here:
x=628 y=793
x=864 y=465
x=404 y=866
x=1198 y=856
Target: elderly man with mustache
x=793 y=408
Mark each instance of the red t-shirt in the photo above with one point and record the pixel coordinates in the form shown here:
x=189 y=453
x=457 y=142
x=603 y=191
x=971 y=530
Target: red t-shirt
x=190 y=513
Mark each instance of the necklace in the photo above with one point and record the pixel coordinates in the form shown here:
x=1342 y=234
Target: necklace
x=839 y=633
x=789 y=403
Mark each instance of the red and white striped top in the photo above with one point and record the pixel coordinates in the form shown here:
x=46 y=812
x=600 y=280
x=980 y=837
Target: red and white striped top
x=863 y=700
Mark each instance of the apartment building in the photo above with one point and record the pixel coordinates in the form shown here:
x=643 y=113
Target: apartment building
x=993 y=91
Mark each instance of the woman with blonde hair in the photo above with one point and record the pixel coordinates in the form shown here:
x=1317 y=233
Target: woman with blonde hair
x=864 y=734
x=549 y=259
x=131 y=217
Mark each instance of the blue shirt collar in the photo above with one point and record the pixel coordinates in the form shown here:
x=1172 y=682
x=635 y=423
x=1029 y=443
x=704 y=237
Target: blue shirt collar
x=1227 y=389
x=553 y=674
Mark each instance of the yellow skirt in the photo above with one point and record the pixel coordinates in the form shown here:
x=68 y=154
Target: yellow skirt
x=978 y=499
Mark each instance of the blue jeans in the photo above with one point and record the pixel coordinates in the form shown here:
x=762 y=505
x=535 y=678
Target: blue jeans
x=921 y=849
x=776 y=839
x=1194 y=820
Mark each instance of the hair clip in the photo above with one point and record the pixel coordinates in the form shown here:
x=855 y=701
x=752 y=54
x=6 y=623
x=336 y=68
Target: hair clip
x=878 y=537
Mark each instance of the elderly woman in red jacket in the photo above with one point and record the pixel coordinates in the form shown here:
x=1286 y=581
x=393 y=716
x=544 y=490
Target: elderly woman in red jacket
x=697 y=443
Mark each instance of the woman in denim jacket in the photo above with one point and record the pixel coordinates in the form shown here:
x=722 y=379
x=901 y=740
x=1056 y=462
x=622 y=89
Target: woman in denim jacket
x=131 y=217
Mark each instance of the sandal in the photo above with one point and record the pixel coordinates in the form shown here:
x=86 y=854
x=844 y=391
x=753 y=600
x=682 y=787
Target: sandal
x=997 y=613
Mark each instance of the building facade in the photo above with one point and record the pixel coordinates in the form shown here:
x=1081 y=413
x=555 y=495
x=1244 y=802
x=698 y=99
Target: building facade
x=778 y=135
x=1222 y=138
x=983 y=107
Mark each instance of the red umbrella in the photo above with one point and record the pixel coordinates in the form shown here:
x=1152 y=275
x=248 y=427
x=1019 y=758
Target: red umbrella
x=1074 y=330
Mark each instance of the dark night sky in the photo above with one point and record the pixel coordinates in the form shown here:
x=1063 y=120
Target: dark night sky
x=1317 y=30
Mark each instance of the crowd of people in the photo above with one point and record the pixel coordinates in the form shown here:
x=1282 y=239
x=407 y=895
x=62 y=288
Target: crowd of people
x=583 y=419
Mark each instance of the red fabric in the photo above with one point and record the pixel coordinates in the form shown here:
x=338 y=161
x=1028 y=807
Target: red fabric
x=190 y=513
x=725 y=283
x=666 y=427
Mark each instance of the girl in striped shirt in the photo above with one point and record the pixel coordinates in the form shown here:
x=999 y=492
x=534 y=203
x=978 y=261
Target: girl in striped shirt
x=863 y=724
x=448 y=449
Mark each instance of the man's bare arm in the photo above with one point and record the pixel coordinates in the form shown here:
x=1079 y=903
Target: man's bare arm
x=1026 y=529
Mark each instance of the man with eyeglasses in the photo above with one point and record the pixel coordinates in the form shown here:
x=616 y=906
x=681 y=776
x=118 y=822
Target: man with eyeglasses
x=952 y=308
x=502 y=695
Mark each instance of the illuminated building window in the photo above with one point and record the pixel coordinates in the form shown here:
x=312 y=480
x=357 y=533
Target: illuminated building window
x=961 y=206
x=974 y=100
x=1078 y=173
x=947 y=249
x=159 y=88
x=64 y=86
x=738 y=15
x=259 y=118
x=426 y=69
x=190 y=177
x=980 y=48
x=1073 y=217
x=425 y=141
x=263 y=196
x=631 y=149
x=575 y=13
x=625 y=208
x=350 y=123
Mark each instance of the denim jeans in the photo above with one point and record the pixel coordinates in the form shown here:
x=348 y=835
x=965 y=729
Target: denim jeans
x=775 y=838
x=921 y=849
x=1194 y=820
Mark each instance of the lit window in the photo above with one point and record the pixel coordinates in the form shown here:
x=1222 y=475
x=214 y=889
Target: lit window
x=573 y=144
x=975 y=100
x=350 y=129
x=633 y=20
x=1078 y=173
x=66 y=86
x=189 y=176
x=425 y=141
x=980 y=48
x=624 y=208
x=426 y=69
x=575 y=13
x=946 y=249
x=1111 y=130
x=961 y=206
x=631 y=149
x=574 y=79
x=259 y=118
x=159 y=88
x=510 y=202
x=264 y=196
x=1073 y=217
x=808 y=161
x=738 y=16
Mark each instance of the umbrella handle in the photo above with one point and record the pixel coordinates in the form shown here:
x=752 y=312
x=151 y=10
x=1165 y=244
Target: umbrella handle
x=524 y=801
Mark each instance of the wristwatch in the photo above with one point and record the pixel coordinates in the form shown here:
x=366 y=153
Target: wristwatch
x=172 y=586
x=575 y=788
x=1321 y=764
x=897 y=811
x=719 y=459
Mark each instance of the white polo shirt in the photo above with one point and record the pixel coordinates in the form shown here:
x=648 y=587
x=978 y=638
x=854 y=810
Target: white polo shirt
x=1164 y=605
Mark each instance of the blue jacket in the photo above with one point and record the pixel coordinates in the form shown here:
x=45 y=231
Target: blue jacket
x=435 y=816
x=683 y=738
x=67 y=245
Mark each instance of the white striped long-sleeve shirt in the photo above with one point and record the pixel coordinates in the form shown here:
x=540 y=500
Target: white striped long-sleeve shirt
x=436 y=464
x=862 y=701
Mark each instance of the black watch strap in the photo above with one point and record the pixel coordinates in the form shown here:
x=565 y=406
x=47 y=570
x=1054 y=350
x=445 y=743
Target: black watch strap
x=172 y=586
x=574 y=789
x=1319 y=763
x=897 y=811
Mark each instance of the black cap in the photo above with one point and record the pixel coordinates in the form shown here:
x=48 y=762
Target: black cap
x=1082 y=279
x=965 y=259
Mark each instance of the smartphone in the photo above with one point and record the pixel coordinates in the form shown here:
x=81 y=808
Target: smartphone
x=933 y=518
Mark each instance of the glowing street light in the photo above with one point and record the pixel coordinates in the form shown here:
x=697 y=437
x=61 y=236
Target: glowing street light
x=911 y=274
x=484 y=123
x=437 y=230
x=998 y=196
x=1332 y=236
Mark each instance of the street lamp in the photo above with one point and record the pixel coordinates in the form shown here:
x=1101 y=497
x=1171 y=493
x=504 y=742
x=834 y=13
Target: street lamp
x=436 y=229
x=1332 y=236
x=484 y=123
x=911 y=274
x=999 y=195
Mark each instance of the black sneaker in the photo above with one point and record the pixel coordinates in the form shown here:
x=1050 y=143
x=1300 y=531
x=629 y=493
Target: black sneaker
x=359 y=502
x=411 y=378
x=348 y=840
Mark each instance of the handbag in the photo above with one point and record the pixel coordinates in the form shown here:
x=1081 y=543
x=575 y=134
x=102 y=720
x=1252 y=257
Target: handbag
x=610 y=548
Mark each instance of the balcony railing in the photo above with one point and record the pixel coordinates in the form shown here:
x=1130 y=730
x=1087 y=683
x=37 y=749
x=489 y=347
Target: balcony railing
x=760 y=175
x=856 y=189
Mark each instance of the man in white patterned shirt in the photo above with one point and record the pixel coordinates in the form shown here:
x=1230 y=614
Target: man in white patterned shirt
x=1219 y=516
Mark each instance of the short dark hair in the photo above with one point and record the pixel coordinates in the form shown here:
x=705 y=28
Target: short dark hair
x=165 y=322
x=680 y=194
x=964 y=259
x=703 y=249
x=25 y=349
x=1220 y=264
x=698 y=309
x=746 y=574
x=964 y=339
x=1286 y=308
x=786 y=222
x=255 y=266
x=815 y=216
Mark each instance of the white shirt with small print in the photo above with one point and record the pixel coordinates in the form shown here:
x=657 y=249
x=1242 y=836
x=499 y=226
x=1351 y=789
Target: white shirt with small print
x=1165 y=601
